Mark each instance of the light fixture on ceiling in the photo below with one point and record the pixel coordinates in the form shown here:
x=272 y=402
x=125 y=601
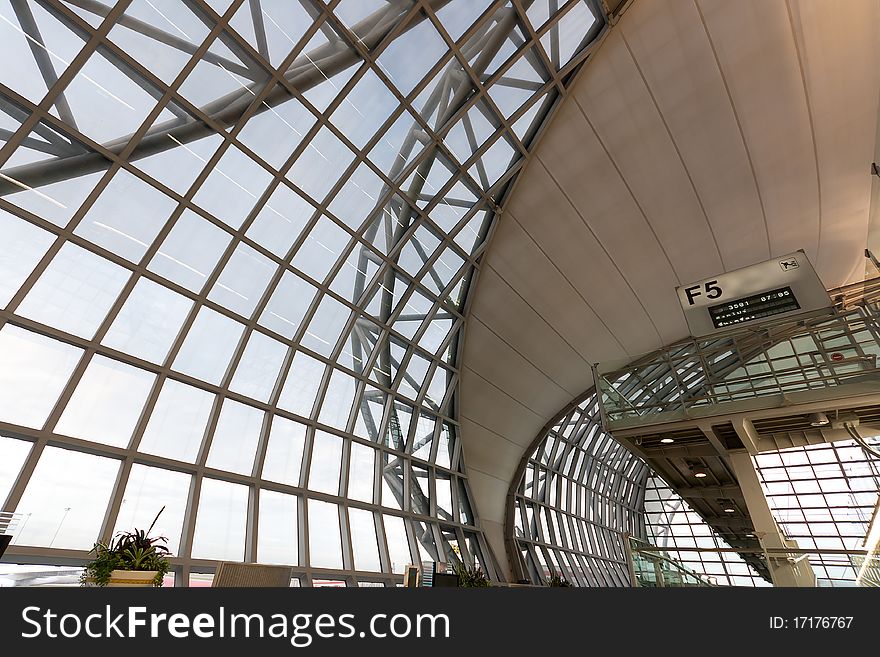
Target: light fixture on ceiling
x=727 y=505
x=697 y=470
x=818 y=419
x=667 y=441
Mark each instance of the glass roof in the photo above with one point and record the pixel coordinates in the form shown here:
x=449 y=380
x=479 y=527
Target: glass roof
x=236 y=240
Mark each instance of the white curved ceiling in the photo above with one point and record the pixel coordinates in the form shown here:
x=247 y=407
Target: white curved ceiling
x=701 y=137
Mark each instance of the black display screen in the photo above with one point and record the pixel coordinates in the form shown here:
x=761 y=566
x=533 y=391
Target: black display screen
x=757 y=306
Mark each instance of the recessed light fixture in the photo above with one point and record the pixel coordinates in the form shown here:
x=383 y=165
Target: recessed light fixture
x=729 y=510
x=697 y=469
x=666 y=441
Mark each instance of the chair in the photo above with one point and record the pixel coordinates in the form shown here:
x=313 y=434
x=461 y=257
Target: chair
x=235 y=574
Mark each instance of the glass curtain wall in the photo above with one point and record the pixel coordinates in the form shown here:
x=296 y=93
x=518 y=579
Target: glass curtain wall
x=824 y=497
x=582 y=494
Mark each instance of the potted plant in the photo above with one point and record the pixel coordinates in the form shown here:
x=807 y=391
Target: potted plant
x=130 y=559
x=556 y=579
x=472 y=577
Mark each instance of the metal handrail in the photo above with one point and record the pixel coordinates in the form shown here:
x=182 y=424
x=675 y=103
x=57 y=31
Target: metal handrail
x=681 y=376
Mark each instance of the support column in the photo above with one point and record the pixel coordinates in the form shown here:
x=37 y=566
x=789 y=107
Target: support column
x=793 y=570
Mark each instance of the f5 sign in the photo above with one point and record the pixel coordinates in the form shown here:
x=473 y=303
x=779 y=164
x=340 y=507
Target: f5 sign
x=779 y=287
x=712 y=291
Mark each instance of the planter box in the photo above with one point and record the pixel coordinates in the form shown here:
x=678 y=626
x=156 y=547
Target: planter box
x=137 y=578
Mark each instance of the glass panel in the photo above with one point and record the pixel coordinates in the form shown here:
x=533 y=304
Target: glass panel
x=338 y=398
x=107 y=403
x=211 y=79
x=284 y=24
x=446 y=446
x=179 y=164
x=363 y=540
x=323 y=93
x=365 y=109
x=257 y=371
x=424 y=436
x=458 y=17
x=281 y=220
x=301 y=386
x=325 y=549
x=326 y=326
x=325 y=243
x=443 y=484
x=75 y=292
x=22 y=245
x=190 y=252
x=398 y=546
x=320 y=165
x=389 y=153
x=172 y=18
x=64 y=502
x=113 y=107
x=360 y=472
x=409 y=57
x=177 y=423
x=277 y=538
x=148 y=322
x=243 y=280
x=420 y=491
x=33 y=371
x=209 y=346
x=221 y=521
x=358 y=198
x=127 y=216
x=56 y=202
x=288 y=305
x=325 y=464
x=567 y=37
x=277 y=128
x=235 y=439
x=233 y=187
x=284 y=453
x=392 y=481
x=25 y=77
x=14 y=454
x=150 y=490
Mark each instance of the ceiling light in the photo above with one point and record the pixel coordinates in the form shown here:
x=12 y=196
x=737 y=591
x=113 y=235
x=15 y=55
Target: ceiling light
x=666 y=441
x=729 y=510
x=699 y=474
x=818 y=419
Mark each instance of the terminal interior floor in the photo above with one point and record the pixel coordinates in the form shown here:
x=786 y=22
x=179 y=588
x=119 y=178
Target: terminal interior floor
x=351 y=285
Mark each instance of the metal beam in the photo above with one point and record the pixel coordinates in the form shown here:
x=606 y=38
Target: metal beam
x=783 y=572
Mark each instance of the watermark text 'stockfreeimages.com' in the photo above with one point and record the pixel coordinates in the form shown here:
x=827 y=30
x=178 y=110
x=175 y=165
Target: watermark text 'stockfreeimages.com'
x=299 y=629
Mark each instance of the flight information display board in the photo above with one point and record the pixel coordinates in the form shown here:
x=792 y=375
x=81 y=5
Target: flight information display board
x=756 y=306
x=781 y=287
